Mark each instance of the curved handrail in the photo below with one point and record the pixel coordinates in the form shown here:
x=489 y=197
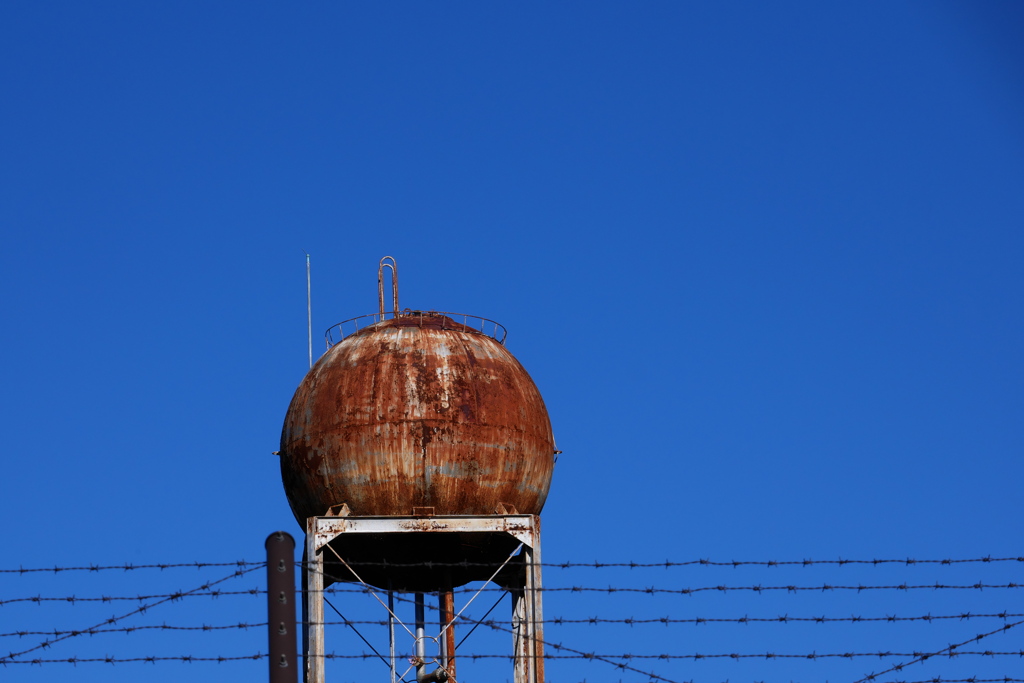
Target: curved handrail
x=475 y=323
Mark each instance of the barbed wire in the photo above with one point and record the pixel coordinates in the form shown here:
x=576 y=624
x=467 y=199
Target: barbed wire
x=697 y=655
x=501 y=625
x=139 y=610
x=909 y=561
x=610 y=657
x=781 y=619
x=561 y=652
x=551 y=621
x=125 y=660
x=790 y=588
x=667 y=564
x=626 y=657
x=573 y=656
x=767 y=655
x=758 y=588
x=132 y=629
x=649 y=590
x=130 y=567
x=72 y=599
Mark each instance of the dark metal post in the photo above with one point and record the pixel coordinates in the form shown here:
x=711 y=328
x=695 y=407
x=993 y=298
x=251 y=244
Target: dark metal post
x=281 y=608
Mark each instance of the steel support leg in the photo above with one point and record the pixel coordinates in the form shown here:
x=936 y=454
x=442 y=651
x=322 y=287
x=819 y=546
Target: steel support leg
x=314 y=612
x=534 y=588
x=528 y=619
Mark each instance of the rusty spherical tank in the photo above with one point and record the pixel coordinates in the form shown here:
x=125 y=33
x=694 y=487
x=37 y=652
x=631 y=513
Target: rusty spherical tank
x=417 y=411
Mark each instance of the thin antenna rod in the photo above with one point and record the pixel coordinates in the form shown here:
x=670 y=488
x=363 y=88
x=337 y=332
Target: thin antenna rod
x=309 y=311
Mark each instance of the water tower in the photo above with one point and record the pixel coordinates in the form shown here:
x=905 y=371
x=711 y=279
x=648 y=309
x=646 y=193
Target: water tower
x=417 y=454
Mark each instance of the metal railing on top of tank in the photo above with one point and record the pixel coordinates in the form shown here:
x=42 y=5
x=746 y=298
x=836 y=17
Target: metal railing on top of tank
x=492 y=329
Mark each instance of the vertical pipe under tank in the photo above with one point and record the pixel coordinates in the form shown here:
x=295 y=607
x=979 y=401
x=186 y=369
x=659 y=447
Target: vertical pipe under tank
x=421 y=646
x=446 y=606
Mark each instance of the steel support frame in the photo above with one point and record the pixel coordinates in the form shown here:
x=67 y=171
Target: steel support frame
x=527 y=603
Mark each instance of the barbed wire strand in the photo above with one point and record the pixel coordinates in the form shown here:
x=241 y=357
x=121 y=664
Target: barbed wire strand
x=9 y=658
x=757 y=588
x=609 y=657
x=125 y=660
x=771 y=655
x=782 y=619
x=132 y=629
x=791 y=588
x=949 y=651
x=552 y=621
x=649 y=590
x=129 y=567
x=72 y=599
x=667 y=564
x=583 y=655
x=557 y=589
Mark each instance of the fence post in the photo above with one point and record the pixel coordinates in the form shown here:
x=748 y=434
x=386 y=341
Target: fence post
x=281 y=607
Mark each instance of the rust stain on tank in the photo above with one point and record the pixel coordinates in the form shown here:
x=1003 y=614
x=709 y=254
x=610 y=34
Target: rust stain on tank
x=417 y=411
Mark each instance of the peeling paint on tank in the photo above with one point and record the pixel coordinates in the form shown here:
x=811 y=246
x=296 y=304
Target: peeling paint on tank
x=459 y=470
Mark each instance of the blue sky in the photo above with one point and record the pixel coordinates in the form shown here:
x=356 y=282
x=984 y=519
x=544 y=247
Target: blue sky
x=762 y=260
